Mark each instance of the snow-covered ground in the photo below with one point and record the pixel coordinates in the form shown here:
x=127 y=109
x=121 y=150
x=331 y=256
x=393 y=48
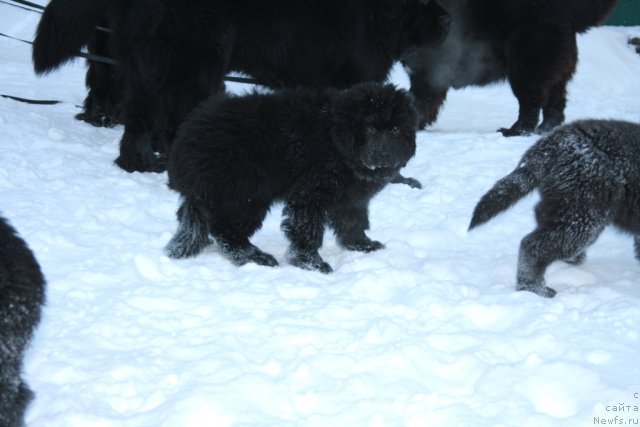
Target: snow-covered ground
x=427 y=332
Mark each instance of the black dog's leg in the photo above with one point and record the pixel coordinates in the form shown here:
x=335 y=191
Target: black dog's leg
x=428 y=99
x=304 y=227
x=137 y=152
x=232 y=230
x=526 y=123
x=242 y=251
x=577 y=259
x=531 y=266
x=524 y=50
x=539 y=59
x=401 y=179
x=553 y=110
x=105 y=91
x=349 y=224
x=15 y=395
x=192 y=235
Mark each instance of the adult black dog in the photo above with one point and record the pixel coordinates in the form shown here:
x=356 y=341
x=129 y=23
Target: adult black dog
x=174 y=53
x=588 y=175
x=325 y=153
x=21 y=298
x=532 y=43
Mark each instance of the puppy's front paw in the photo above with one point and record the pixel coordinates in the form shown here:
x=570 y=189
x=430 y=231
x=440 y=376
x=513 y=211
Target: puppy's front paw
x=411 y=182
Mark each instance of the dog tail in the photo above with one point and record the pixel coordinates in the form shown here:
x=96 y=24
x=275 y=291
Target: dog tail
x=65 y=27
x=504 y=194
x=193 y=232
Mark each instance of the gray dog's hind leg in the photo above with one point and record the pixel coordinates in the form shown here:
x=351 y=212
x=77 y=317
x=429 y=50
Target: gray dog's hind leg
x=564 y=240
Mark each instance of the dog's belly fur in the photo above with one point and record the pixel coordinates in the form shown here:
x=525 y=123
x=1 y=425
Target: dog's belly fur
x=465 y=61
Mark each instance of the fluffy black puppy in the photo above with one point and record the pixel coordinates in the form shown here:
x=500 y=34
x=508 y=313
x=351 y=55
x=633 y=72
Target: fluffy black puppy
x=21 y=298
x=588 y=176
x=325 y=153
x=531 y=43
x=175 y=53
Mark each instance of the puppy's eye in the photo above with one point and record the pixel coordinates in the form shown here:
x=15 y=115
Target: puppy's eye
x=395 y=130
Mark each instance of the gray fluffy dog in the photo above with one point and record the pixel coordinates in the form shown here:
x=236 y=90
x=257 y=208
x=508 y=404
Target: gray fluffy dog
x=588 y=176
x=21 y=298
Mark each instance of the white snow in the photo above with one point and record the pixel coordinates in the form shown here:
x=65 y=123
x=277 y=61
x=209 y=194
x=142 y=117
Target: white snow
x=427 y=332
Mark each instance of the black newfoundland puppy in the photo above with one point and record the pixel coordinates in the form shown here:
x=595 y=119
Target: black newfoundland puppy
x=325 y=153
x=22 y=294
x=531 y=43
x=588 y=176
x=175 y=53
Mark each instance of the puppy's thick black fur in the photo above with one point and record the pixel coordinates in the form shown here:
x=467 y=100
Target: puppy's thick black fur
x=174 y=53
x=531 y=43
x=22 y=294
x=325 y=153
x=588 y=176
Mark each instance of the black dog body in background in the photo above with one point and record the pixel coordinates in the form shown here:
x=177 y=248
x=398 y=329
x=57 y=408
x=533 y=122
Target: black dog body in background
x=172 y=54
x=323 y=152
x=588 y=176
x=22 y=294
x=530 y=43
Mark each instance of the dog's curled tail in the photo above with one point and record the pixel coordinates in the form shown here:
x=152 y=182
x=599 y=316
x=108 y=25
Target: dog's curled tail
x=65 y=27
x=193 y=232
x=504 y=194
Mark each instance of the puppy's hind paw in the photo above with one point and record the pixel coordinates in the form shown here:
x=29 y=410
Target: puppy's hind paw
x=576 y=260
x=542 y=290
x=309 y=261
x=249 y=253
x=178 y=249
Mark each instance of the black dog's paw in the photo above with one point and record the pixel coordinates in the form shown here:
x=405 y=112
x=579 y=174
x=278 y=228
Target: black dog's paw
x=364 y=246
x=309 y=261
x=411 y=182
x=514 y=131
x=157 y=164
x=541 y=290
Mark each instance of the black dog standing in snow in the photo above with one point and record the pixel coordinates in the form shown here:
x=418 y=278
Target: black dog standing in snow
x=588 y=176
x=324 y=153
x=530 y=43
x=21 y=298
x=173 y=54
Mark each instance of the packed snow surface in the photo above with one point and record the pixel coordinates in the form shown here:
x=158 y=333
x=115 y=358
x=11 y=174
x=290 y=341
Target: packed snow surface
x=426 y=332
